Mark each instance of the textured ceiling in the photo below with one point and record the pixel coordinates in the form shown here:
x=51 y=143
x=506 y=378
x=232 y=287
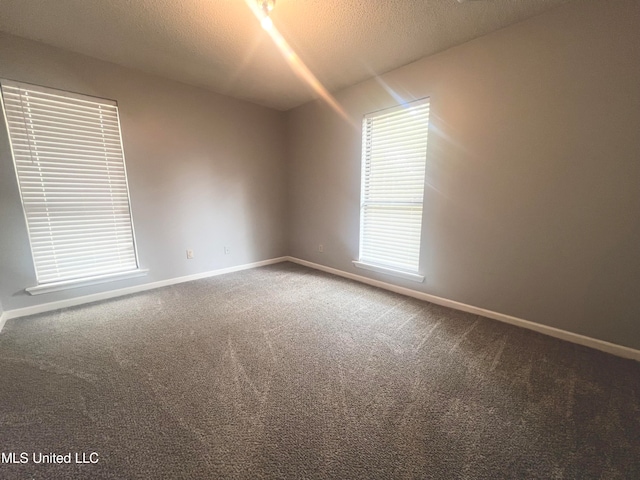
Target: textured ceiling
x=219 y=45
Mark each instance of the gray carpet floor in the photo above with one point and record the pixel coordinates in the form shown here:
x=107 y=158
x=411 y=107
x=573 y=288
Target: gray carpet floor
x=285 y=372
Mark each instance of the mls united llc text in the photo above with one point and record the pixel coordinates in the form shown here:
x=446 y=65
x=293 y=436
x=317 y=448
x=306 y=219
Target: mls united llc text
x=57 y=458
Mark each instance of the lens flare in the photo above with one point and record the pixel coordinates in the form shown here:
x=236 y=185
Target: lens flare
x=296 y=64
x=266 y=23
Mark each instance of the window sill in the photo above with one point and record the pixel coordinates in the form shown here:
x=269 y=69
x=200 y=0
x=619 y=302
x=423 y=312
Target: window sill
x=390 y=271
x=83 y=282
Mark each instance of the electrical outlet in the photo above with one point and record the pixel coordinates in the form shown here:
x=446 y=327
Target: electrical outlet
x=321 y=248
x=189 y=254
x=227 y=250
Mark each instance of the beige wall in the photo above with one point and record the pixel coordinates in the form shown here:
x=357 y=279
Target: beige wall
x=532 y=198
x=204 y=171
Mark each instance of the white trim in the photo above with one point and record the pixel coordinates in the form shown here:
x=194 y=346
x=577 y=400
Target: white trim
x=47 y=307
x=389 y=271
x=84 y=282
x=618 y=350
x=3 y=320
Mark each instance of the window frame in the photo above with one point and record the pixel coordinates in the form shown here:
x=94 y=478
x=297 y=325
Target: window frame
x=92 y=279
x=413 y=275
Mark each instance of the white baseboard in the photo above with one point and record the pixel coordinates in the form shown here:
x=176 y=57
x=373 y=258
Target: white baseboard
x=618 y=350
x=47 y=307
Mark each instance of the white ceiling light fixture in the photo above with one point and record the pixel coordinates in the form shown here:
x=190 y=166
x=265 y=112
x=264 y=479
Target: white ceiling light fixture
x=266 y=6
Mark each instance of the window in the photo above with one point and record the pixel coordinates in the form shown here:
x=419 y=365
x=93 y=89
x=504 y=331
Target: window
x=394 y=154
x=70 y=166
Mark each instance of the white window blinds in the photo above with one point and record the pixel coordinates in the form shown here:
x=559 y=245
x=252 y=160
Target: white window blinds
x=394 y=149
x=71 y=173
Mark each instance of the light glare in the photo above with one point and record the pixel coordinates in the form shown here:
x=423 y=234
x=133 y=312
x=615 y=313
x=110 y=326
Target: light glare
x=266 y=23
x=296 y=63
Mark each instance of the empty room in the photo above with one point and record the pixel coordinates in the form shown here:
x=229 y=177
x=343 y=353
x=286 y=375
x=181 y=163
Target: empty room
x=332 y=239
